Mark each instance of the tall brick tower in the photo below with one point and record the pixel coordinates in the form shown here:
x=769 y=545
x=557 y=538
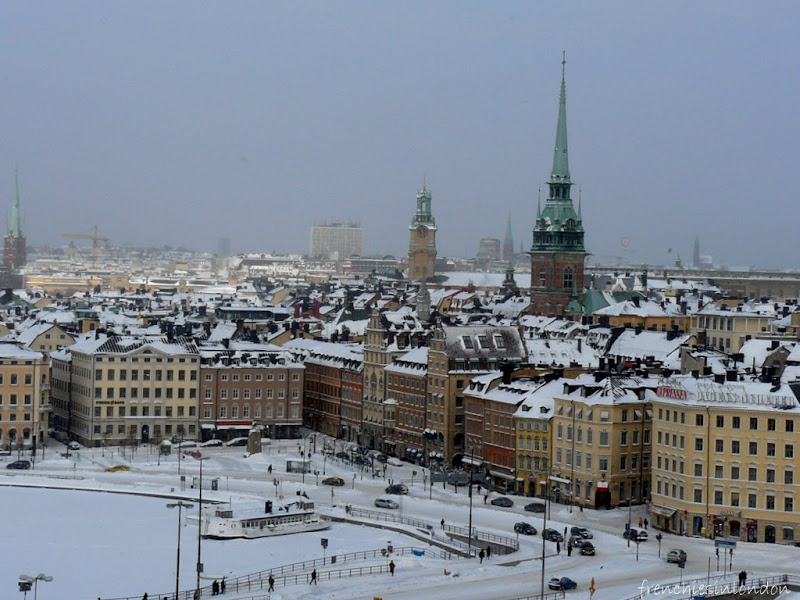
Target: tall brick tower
x=422 y=245
x=14 y=249
x=557 y=254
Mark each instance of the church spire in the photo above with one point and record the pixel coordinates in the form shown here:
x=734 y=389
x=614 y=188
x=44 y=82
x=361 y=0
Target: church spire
x=15 y=220
x=560 y=172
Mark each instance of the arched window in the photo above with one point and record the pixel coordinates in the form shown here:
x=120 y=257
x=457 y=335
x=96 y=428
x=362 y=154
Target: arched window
x=568 y=277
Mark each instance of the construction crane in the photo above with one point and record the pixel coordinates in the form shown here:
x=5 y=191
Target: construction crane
x=96 y=239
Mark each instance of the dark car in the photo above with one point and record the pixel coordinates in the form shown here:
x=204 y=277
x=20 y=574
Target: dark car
x=551 y=535
x=524 y=528
x=575 y=541
x=360 y=460
x=240 y=441
x=535 y=507
x=397 y=488
x=19 y=464
x=587 y=548
x=337 y=481
x=503 y=501
x=343 y=455
x=561 y=583
x=382 y=458
x=637 y=535
x=581 y=532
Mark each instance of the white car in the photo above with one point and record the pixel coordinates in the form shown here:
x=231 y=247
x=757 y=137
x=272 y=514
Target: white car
x=73 y=445
x=394 y=461
x=211 y=444
x=386 y=503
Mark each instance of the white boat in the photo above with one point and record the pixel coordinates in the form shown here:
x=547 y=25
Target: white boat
x=294 y=517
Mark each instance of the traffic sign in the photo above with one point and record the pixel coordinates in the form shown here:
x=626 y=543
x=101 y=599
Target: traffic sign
x=726 y=543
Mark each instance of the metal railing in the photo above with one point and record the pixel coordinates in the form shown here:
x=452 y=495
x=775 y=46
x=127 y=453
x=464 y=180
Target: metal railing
x=298 y=572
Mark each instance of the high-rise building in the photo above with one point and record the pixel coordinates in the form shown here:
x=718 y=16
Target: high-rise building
x=14 y=250
x=422 y=245
x=557 y=254
x=337 y=241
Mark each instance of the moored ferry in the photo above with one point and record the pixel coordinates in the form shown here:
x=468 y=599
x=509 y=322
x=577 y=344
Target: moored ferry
x=294 y=517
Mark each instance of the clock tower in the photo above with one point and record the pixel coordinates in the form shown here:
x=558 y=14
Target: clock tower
x=557 y=253
x=422 y=243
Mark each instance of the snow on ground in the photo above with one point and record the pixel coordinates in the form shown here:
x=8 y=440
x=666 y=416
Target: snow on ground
x=114 y=545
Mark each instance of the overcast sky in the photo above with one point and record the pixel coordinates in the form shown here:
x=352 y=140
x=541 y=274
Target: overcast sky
x=183 y=122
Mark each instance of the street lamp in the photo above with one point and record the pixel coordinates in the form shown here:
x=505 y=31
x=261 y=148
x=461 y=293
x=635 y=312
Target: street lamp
x=34 y=580
x=199 y=525
x=180 y=505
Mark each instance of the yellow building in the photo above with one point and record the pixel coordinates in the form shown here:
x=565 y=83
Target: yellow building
x=125 y=389
x=602 y=440
x=24 y=397
x=532 y=420
x=725 y=459
x=643 y=313
x=728 y=330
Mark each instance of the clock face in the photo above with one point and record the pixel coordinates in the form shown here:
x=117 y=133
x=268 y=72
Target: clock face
x=422 y=231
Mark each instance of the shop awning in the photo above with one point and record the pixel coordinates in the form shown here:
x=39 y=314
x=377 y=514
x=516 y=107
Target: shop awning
x=471 y=461
x=501 y=475
x=663 y=511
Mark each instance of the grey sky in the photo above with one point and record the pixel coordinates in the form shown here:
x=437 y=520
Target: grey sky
x=183 y=122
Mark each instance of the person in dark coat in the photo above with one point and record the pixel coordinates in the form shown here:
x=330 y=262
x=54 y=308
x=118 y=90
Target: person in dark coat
x=488 y=552
x=481 y=554
x=569 y=549
x=558 y=547
x=391 y=567
x=314 y=577
x=442 y=523
x=271 y=583
x=222 y=586
x=215 y=588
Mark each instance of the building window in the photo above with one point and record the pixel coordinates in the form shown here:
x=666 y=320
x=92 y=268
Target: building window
x=623 y=438
x=698 y=496
x=568 y=278
x=752 y=474
x=770 y=503
x=789 y=425
x=719 y=446
x=720 y=420
x=770 y=475
x=770 y=424
x=753 y=448
x=751 y=501
x=698 y=470
x=698 y=444
x=788 y=504
x=698 y=420
x=735 y=447
x=788 y=477
x=770 y=449
x=788 y=451
x=734 y=472
x=753 y=423
x=718 y=497
x=736 y=422
x=734 y=498
x=604 y=438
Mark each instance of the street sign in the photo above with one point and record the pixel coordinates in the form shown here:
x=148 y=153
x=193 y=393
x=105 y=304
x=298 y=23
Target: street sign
x=726 y=543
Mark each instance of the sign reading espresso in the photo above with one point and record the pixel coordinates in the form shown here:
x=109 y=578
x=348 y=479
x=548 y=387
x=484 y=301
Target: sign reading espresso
x=673 y=393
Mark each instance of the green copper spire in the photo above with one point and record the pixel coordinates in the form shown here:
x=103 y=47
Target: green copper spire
x=15 y=221
x=560 y=170
x=423 y=214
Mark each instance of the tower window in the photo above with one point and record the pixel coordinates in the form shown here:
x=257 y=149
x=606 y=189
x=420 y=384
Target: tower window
x=568 y=277
x=543 y=278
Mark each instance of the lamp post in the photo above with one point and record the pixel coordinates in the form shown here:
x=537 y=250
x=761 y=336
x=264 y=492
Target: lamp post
x=35 y=580
x=199 y=526
x=180 y=505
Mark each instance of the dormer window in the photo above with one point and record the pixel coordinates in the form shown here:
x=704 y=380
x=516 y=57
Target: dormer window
x=484 y=342
x=499 y=341
x=467 y=341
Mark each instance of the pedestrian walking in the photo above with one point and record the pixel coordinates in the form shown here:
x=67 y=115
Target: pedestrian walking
x=314 y=577
x=215 y=588
x=222 y=586
x=442 y=523
x=145 y=596
x=569 y=549
x=640 y=521
x=481 y=554
x=558 y=547
x=646 y=523
x=271 y=581
x=486 y=498
x=391 y=567
x=565 y=531
x=488 y=552
x=269 y=469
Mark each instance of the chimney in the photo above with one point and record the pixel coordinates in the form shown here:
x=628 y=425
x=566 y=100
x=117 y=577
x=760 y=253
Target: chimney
x=731 y=375
x=696 y=374
x=636 y=301
x=773 y=345
x=507 y=368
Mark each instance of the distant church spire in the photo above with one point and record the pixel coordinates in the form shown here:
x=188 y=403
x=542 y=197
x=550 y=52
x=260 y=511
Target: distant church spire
x=508 y=242
x=15 y=219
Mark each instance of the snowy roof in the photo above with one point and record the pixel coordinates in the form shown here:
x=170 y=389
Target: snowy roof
x=10 y=350
x=560 y=352
x=631 y=344
x=753 y=394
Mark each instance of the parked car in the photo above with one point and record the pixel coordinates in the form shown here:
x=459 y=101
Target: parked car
x=240 y=441
x=73 y=445
x=561 y=583
x=524 y=528
x=587 y=548
x=575 y=541
x=581 y=532
x=19 y=464
x=343 y=456
x=386 y=503
x=503 y=501
x=638 y=535
x=551 y=535
x=397 y=488
x=676 y=556
x=211 y=444
x=535 y=507
x=382 y=458
x=337 y=481
x=394 y=461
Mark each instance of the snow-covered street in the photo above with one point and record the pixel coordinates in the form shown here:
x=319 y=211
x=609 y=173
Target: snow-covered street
x=112 y=545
